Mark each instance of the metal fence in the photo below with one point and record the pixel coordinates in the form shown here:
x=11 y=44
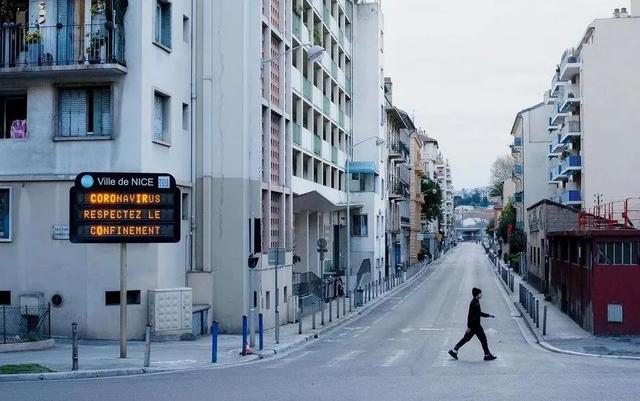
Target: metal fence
x=20 y=324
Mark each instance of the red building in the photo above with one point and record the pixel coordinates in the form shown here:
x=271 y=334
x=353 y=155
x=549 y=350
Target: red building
x=595 y=278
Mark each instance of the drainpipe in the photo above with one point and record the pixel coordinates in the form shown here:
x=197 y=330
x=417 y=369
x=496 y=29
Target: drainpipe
x=192 y=127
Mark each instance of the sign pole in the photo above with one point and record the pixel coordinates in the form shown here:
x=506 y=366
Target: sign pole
x=123 y=300
x=277 y=319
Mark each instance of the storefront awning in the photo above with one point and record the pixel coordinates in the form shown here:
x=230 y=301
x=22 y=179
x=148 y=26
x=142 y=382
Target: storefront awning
x=363 y=168
x=315 y=202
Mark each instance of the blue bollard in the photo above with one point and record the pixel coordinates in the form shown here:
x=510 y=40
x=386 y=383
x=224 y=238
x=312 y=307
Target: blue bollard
x=214 y=342
x=244 y=334
x=260 y=331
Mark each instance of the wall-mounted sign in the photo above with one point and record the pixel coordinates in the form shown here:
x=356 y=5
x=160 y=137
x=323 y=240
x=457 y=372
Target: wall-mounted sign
x=124 y=208
x=60 y=232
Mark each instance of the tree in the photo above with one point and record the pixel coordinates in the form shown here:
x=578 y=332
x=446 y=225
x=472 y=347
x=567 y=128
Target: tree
x=432 y=206
x=507 y=218
x=501 y=170
x=490 y=227
x=495 y=191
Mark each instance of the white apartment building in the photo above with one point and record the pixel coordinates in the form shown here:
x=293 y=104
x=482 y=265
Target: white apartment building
x=445 y=180
x=83 y=76
x=530 y=148
x=369 y=187
x=593 y=125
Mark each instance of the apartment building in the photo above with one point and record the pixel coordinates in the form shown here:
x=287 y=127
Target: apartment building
x=445 y=180
x=592 y=120
x=430 y=152
x=530 y=148
x=418 y=172
x=369 y=151
x=81 y=91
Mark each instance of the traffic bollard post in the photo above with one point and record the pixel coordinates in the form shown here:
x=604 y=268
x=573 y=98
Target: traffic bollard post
x=313 y=316
x=322 y=305
x=244 y=334
x=74 y=346
x=277 y=327
x=544 y=321
x=330 y=310
x=147 y=346
x=337 y=308
x=260 y=331
x=351 y=301
x=344 y=305
x=214 y=342
x=537 y=314
x=299 y=319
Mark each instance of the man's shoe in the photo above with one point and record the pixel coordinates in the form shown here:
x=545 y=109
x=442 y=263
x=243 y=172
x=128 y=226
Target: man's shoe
x=453 y=354
x=490 y=358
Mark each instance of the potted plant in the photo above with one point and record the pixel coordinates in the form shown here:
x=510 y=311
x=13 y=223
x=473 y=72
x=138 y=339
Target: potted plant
x=96 y=51
x=33 y=39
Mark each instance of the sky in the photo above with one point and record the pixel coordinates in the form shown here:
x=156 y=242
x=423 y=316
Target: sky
x=465 y=68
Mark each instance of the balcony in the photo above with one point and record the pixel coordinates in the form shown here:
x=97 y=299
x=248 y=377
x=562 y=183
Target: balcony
x=571 y=164
x=554 y=177
x=398 y=150
x=57 y=50
x=571 y=197
x=398 y=189
x=570 y=65
x=556 y=85
x=558 y=118
x=518 y=197
x=557 y=176
x=570 y=130
x=570 y=98
x=317 y=145
x=297 y=136
x=556 y=147
x=516 y=146
x=517 y=170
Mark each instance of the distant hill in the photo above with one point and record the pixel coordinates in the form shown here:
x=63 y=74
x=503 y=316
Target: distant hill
x=472 y=197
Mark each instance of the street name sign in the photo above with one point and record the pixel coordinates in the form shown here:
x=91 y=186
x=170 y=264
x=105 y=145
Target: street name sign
x=124 y=208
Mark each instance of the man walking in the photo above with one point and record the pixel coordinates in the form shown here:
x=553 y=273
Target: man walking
x=474 y=328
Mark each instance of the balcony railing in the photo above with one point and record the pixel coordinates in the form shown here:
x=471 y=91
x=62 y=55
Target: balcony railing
x=570 y=129
x=571 y=197
x=570 y=64
x=518 y=197
x=571 y=164
x=517 y=170
x=398 y=188
x=45 y=47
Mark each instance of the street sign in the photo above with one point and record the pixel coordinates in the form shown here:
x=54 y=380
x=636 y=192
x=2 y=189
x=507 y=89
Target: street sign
x=60 y=232
x=322 y=243
x=124 y=208
x=276 y=256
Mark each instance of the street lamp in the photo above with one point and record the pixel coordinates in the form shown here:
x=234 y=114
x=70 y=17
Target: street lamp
x=379 y=142
x=314 y=53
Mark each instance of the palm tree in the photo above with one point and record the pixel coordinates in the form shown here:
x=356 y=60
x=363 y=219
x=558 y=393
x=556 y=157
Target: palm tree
x=496 y=190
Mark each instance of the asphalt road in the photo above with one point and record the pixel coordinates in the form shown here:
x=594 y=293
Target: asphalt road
x=396 y=352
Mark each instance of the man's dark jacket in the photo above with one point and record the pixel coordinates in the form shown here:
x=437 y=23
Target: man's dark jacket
x=473 y=320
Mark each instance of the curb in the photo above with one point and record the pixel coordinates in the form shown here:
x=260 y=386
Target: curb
x=545 y=345
x=30 y=346
x=257 y=356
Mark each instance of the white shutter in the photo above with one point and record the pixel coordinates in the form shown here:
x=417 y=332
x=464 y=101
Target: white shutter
x=158 y=117
x=102 y=124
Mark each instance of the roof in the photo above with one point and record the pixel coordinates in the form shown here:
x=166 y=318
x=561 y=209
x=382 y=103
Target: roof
x=552 y=203
x=521 y=112
x=316 y=202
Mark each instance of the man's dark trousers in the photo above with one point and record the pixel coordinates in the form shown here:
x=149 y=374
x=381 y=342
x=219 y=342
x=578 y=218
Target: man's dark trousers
x=475 y=331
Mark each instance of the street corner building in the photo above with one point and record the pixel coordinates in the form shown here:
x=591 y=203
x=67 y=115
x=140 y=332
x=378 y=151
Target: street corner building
x=277 y=123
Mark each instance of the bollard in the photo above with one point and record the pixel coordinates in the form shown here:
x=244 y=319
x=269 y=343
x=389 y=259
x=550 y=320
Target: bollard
x=244 y=334
x=313 y=316
x=330 y=309
x=537 y=314
x=147 y=346
x=74 y=346
x=214 y=342
x=260 y=331
x=299 y=319
x=544 y=321
x=277 y=327
x=322 y=312
x=351 y=300
x=337 y=308
x=344 y=305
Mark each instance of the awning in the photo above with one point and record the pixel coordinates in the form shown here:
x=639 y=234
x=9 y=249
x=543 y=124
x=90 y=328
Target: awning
x=363 y=168
x=315 y=202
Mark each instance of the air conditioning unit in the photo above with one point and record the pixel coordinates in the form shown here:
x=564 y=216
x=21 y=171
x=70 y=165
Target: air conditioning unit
x=170 y=311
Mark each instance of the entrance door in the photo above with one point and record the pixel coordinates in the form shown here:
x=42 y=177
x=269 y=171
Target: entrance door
x=71 y=36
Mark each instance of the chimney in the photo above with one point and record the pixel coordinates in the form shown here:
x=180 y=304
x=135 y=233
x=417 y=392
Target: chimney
x=616 y=13
x=623 y=13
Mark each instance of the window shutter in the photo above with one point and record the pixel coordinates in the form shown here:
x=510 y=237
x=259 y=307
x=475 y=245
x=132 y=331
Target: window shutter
x=158 y=117
x=165 y=29
x=73 y=112
x=102 y=112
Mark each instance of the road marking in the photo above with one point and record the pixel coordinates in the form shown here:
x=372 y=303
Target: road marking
x=393 y=358
x=362 y=330
x=289 y=360
x=342 y=358
x=378 y=320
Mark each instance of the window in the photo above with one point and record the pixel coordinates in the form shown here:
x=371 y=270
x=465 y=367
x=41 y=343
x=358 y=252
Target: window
x=5 y=297
x=113 y=297
x=160 y=117
x=268 y=299
x=382 y=115
x=5 y=214
x=618 y=253
x=255 y=299
x=85 y=112
x=163 y=23
x=185 y=207
x=286 y=295
x=186 y=33
x=185 y=116
x=359 y=225
x=13 y=117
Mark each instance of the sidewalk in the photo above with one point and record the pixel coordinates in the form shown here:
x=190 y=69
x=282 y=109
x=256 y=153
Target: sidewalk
x=563 y=334
x=101 y=358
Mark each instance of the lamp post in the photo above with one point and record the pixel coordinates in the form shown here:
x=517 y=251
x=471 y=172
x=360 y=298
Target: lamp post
x=379 y=142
